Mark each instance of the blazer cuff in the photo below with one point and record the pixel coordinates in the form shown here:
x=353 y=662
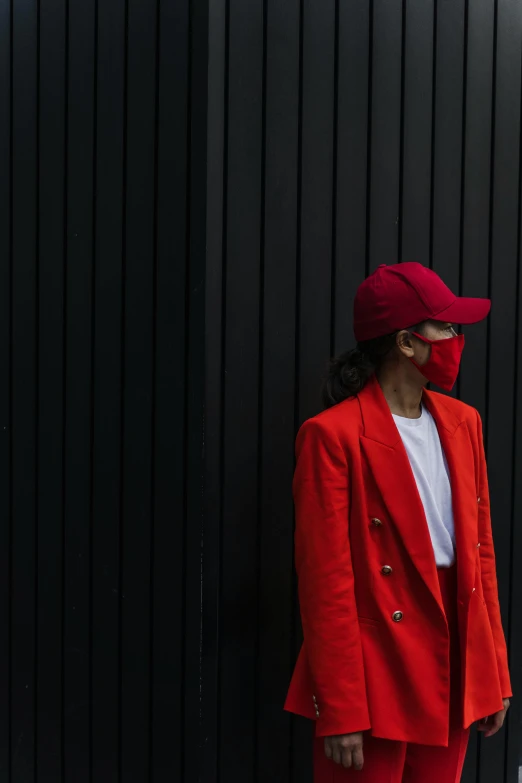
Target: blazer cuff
x=329 y=724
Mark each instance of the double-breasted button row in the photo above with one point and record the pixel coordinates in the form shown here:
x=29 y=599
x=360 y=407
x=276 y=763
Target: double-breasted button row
x=386 y=570
x=316 y=707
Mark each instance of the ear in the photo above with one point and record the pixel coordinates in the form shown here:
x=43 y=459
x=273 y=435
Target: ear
x=404 y=343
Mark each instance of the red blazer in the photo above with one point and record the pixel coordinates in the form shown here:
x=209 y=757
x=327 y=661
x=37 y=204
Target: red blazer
x=357 y=509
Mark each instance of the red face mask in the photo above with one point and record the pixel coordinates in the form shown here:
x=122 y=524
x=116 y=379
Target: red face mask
x=443 y=365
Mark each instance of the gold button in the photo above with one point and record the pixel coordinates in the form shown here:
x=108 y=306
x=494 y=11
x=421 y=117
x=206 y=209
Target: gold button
x=386 y=570
x=397 y=617
x=376 y=522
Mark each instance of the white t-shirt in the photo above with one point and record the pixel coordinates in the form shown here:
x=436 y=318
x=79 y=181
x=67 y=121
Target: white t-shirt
x=428 y=462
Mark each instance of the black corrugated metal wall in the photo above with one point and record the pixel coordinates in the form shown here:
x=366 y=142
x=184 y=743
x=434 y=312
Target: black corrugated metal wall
x=190 y=192
x=102 y=200
x=343 y=135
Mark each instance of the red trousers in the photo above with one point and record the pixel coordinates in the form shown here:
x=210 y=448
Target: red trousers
x=389 y=761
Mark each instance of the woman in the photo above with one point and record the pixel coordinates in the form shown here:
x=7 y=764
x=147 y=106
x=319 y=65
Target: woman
x=403 y=642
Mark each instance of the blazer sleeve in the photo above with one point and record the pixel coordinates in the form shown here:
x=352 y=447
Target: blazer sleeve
x=488 y=569
x=325 y=581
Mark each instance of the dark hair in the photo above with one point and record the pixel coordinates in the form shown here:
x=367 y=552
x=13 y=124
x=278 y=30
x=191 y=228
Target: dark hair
x=348 y=373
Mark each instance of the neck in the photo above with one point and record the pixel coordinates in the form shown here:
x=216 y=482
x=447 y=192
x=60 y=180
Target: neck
x=403 y=392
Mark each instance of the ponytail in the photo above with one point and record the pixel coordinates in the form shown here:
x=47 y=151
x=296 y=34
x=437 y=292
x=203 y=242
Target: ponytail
x=348 y=373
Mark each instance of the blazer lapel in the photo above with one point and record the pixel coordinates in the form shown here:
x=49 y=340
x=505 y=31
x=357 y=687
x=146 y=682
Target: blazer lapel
x=391 y=469
x=457 y=446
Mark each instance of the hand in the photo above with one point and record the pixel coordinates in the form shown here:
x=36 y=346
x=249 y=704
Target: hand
x=494 y=723
x=345 y=749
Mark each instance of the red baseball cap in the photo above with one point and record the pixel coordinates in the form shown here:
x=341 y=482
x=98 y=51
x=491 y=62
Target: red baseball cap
x=402 y=295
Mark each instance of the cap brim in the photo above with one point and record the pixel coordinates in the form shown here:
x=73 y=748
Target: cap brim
x=465 y=310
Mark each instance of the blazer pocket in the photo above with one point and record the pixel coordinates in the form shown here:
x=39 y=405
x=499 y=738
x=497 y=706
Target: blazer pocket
x=368 y=621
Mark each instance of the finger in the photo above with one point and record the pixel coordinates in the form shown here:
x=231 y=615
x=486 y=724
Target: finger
x=358 y=757
x=496 y=725
x=336 y=753
x=328 y=748
x=498 y=721
x=491 y=732
x=347 y=758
